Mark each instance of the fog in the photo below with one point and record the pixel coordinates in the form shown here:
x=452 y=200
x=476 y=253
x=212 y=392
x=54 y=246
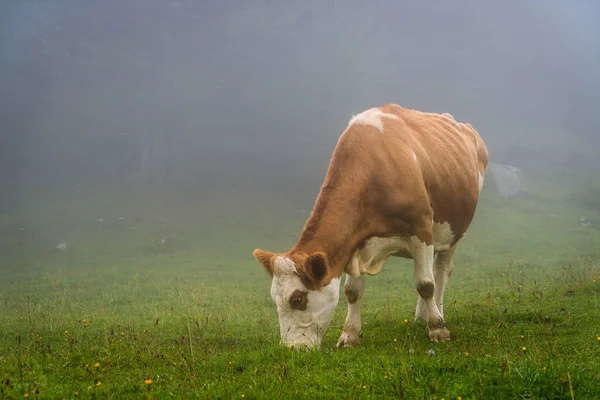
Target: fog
x=196 y=98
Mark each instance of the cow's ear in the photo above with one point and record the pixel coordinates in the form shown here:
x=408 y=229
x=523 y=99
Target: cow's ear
x=264 y=259
x=316 y=268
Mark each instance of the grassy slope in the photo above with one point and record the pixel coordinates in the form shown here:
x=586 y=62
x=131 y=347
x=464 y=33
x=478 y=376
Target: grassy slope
x=195 y=317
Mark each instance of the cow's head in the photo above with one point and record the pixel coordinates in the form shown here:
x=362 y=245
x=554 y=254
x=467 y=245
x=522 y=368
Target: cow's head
x=304 y=293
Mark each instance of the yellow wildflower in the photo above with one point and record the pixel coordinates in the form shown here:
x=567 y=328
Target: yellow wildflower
x=148 y=381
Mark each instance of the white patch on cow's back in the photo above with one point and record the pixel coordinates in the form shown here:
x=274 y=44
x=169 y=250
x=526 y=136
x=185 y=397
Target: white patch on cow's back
x=414 y=156
x=373 y=117
x=371 y=258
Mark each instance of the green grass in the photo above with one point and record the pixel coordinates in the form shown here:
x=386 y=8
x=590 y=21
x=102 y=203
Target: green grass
x=195 y=316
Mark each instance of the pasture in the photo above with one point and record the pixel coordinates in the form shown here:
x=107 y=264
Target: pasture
x=163 y=299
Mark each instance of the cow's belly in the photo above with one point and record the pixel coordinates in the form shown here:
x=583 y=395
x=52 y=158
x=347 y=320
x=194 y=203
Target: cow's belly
x=371 y=258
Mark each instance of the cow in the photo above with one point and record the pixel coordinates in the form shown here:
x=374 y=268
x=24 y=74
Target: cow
x=400 y=183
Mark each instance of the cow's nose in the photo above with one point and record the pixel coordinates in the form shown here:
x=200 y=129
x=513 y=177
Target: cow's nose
x=302 y=345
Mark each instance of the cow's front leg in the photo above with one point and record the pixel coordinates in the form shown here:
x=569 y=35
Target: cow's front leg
x=353 y=289
x=420 y=311
x=425 y=284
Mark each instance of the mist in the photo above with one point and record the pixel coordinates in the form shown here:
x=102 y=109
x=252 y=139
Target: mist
x=241 y=103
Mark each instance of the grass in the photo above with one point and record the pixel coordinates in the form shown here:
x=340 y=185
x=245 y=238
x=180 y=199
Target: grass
x=121 y=315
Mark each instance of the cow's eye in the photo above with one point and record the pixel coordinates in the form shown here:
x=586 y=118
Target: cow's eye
x=298 y=300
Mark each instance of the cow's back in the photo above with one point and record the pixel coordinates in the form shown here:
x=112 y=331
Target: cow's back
x=426 y=159
x=452 y=158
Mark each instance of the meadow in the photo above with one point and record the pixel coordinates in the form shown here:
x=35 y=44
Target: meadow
x=161 y=298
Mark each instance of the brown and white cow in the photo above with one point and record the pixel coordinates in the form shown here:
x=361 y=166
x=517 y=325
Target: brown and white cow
x=400 y=182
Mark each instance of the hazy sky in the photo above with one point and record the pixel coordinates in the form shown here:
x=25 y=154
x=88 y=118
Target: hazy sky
x=232 y=87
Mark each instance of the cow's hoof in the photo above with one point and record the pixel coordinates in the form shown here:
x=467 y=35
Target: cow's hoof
x=348 y=340
x=439 y=334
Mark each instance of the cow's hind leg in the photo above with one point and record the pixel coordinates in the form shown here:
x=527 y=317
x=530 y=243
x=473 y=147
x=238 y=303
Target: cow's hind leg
x=353 y=289
x=425 y=283
x=443 y=268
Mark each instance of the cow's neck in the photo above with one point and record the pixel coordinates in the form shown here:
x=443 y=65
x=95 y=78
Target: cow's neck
x=334 y=227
